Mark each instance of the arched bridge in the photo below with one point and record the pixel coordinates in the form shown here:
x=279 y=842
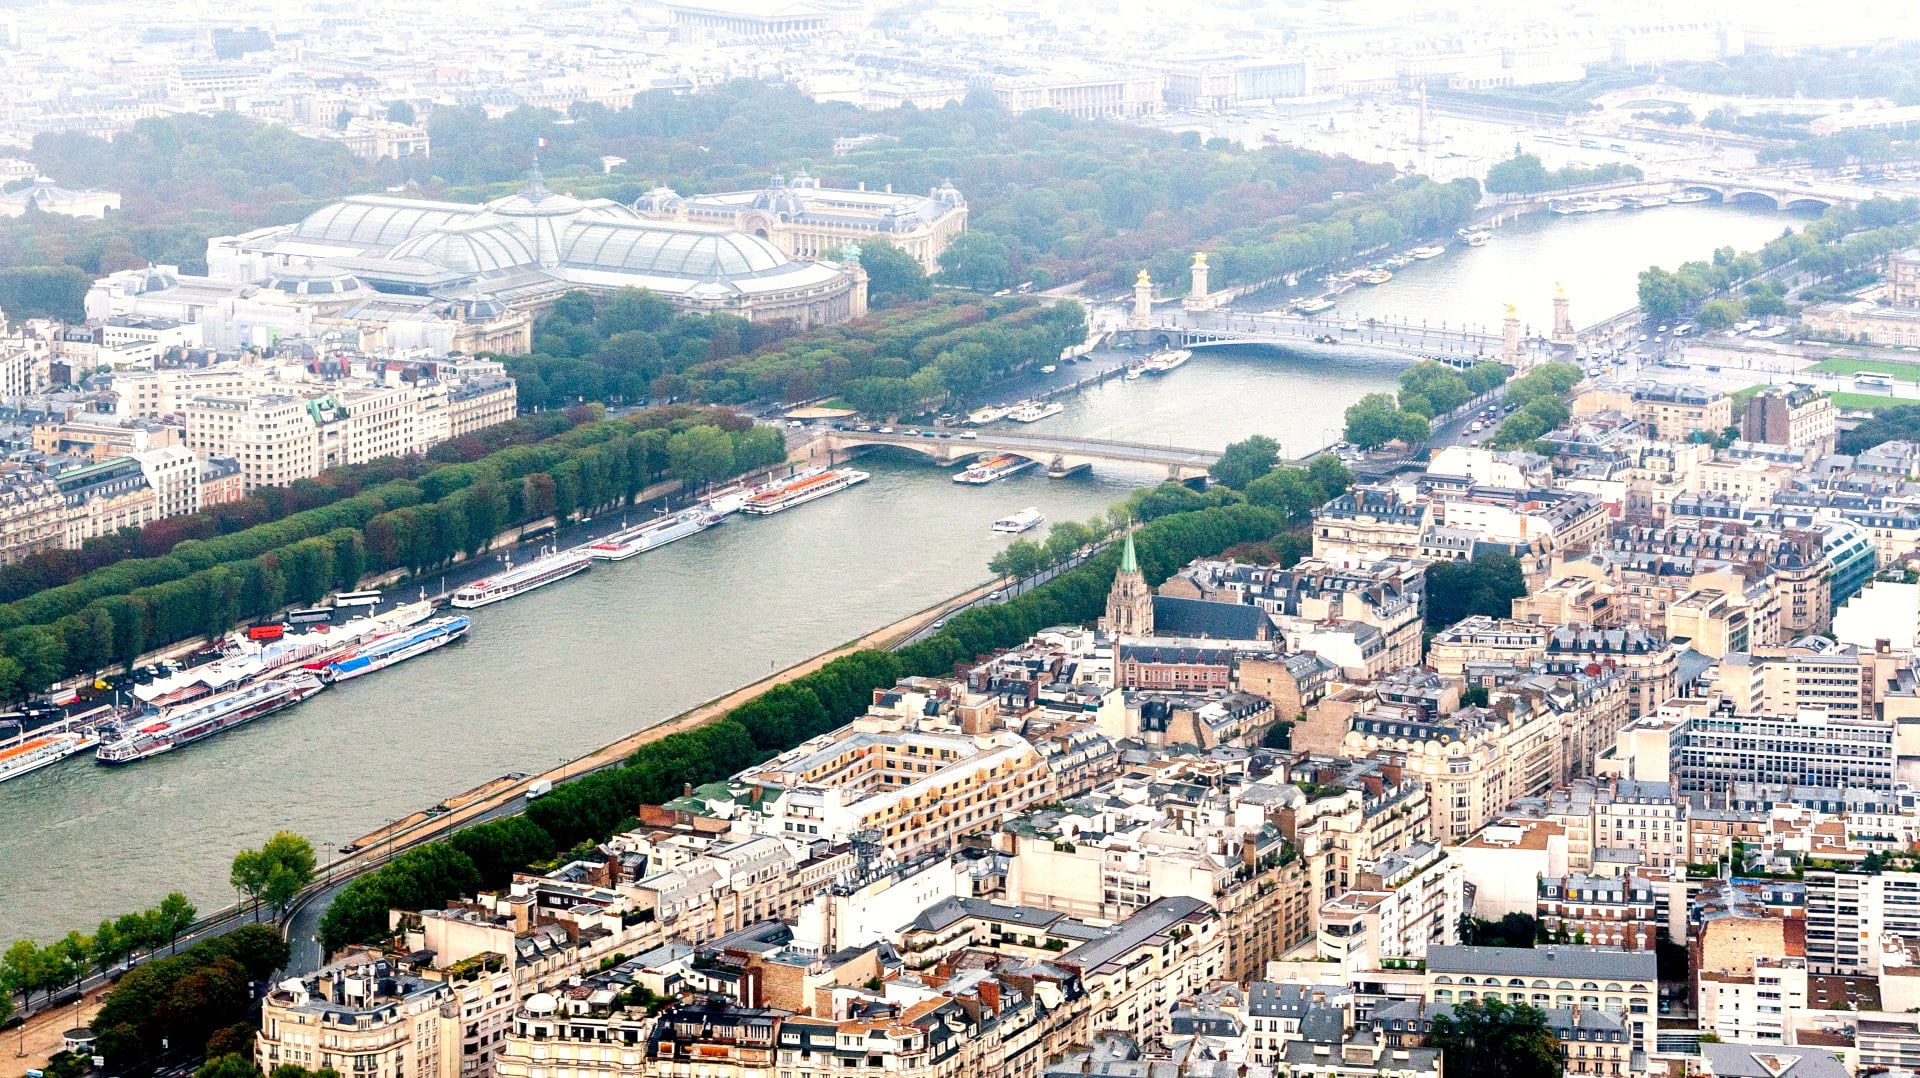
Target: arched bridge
x=1783 y=194
x=1058 y=455
x=1456 y=345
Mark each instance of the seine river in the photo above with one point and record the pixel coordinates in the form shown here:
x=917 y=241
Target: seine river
x=552 y=675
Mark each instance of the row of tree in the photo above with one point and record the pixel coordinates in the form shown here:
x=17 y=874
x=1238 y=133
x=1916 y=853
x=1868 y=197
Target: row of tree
x=1325 y=234
x=52 y=568
x=630 y=346
x=197 y=1001
x=1540 y=396
x=592 y=808
x=205 y=587
x=1428 y=390
x=28 y=970
x=1842 y=240
x=1523 y=174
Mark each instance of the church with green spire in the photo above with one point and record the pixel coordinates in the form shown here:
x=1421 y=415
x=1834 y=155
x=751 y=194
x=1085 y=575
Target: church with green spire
x=1130 y=603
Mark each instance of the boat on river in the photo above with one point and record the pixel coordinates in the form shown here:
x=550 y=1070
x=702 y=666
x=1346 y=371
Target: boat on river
x=1433 y=250
x=1684 y=197
x=184 y=725
x=31 y=753
x=1024 y=521
x=1478 y=238
x=641 y=538
x=990 y=414
x=1162 y=362
x=1035 y=411
x=521 y=579
x=1379 y=276
x=994 y=468
x=801 y=489
x=1314 y=305
x=396 y=648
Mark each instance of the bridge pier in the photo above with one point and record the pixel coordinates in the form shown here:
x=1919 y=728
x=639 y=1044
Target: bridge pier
x=1059 y=469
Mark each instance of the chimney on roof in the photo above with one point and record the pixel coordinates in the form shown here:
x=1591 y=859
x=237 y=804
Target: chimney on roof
x=686 y=789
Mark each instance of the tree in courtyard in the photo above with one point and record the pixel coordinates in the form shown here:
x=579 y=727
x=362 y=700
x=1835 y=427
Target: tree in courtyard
x=273 y=874
x=1495 y=1038
x=1486 y=584
x=1245 y=461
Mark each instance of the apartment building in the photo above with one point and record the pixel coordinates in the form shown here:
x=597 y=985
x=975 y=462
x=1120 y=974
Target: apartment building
x=1386 y=595
x=1474 y=761
x=1674 y=413
x=1134 y=975
x=1704 y=747
x=1811 y=673
x=1753 y=1008
x=1195 y=836
x=274 y=437
x=1849 y=912
x=907 y=772
x=1794 y=416
x=1623 y=984
x=360 y=1015
x=1481 y=639
x=103 y=498
x=1605 y=911
x=174 y=474
x=33 y=516
x=1403 y=904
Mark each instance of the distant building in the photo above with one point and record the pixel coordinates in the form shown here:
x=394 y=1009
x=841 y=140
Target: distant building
x=1795 y=417
x=809 y=221
x=47 y=198
x=527 y=249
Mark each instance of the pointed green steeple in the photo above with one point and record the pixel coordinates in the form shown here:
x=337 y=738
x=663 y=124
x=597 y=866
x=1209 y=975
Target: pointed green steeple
x=1128 y=562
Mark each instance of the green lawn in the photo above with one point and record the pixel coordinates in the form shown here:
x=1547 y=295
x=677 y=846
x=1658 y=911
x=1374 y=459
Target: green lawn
x=1901 y=371
x=1869 y=401
x=1872 y=402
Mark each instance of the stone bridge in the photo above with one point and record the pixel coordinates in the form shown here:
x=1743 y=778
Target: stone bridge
x=1456 y=344
x=1060 y=456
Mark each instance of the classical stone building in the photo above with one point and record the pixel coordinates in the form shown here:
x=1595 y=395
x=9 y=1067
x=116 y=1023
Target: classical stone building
x=523 y=251
x=807 y=220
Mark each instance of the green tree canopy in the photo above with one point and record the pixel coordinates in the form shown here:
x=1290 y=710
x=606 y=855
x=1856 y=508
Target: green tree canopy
x=1245 y=461
x=1495 y=1038
x=1485 y=584
x=273 y=874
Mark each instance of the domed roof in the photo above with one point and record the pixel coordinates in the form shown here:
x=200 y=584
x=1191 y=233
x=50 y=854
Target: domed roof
x=661 y=199
x=781 y=200
x=542 y=1003
x=376 y=221
x=949 y=194
x=312 y=280
x=535 y=200
x=669 y=251
x=155 y=279
x=481 y=248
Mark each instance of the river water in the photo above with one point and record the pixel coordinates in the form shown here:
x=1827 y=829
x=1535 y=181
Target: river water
x=551 y=675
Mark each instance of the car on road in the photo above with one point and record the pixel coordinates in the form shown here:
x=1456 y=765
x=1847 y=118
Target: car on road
x=996 y=595
x=886 y=430
x=969 y=435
